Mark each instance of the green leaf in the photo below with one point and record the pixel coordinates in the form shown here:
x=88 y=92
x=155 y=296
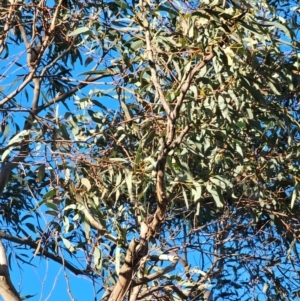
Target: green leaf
x=99 y=104
x=19 y=137
x=64 y=131
x=50 y=194
x=250 y=113
x=294 y=196
x=80 y=30
x=41 y=173
x=239 y=150
x=197 y=192
x=137 y=45
x=88 y=61
x=96 y=116
x=220 y=182
x=104 y=73
x=126 y=110
x=86 y=183
x=128 y=179
x=215 y=193
x=68 y=244
x=279 y=26
x=6 y=153
x=185 y=197
x=51 y=205
x=31 y=227
x=98 y=258
x=51 y=212
x=87 y=229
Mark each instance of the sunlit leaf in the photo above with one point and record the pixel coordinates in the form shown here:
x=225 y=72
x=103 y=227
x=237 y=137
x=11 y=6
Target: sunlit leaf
x=78 y=31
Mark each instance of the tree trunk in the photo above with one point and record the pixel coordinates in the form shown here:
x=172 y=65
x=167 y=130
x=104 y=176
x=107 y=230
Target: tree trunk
x=7 y=290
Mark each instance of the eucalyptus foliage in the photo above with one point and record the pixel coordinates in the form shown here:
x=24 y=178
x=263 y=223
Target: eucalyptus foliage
x=86 y=94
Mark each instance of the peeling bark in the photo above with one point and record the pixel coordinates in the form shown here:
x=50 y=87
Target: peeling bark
x=136 y=251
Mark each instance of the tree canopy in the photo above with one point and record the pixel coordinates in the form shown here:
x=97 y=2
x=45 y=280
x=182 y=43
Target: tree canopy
x=153 y=146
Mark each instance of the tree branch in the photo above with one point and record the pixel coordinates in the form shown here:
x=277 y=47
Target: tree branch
x=7 y=290
x=135 y=252
x=174 y=260
x=69 y=93
x=173 y=287
x=187 y=83
x=38 y=249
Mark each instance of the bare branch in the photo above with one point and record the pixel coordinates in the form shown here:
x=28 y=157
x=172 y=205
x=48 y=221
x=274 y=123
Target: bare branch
x=179 y=139
x=69 y=93
x=57 y=9
x=168 y=287
x=27 y=80
x=174 y=260
x=56 y=59
x=39 y=251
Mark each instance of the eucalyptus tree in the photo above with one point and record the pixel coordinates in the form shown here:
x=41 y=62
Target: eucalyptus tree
x=153 y=146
